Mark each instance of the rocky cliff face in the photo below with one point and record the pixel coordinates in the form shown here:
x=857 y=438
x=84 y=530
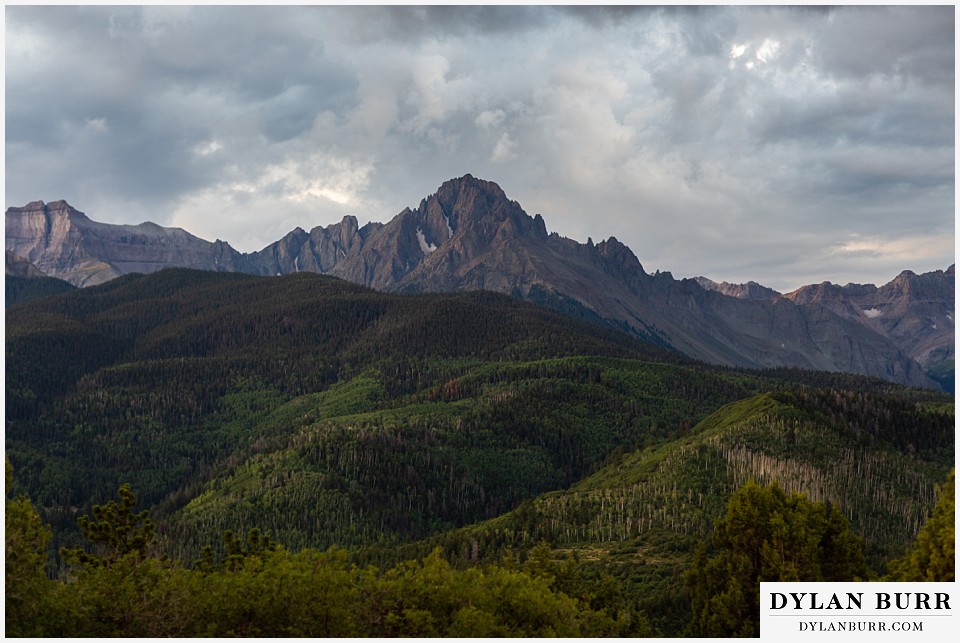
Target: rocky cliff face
x=749 y=290
x=469 y=235
x=320 y=250
x=20 y=267
x=914 y=311
x=62 y=242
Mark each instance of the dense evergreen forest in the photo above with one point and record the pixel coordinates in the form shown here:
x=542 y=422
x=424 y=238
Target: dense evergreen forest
x=18 y=289
x=393 y=439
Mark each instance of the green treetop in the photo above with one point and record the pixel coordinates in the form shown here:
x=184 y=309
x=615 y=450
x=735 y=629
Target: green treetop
x=766 y=535
x=931 y=559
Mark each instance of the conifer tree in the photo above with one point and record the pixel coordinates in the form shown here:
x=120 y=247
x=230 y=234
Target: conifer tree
x=766 y=535
x=932 y=557
x=115 y=530
x=26 y=590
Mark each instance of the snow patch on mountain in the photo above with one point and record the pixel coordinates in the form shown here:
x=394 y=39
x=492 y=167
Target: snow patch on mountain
x=426 y=247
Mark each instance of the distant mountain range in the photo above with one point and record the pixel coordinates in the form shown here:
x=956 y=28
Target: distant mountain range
x=470 y=236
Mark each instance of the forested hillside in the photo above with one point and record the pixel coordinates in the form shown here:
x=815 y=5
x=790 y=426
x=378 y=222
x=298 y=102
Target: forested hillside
x=326 y=414
x=18 y=288
x=877 y=458
x=172 y=380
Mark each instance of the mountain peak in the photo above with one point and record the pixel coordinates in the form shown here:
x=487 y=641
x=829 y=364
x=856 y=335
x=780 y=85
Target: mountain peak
x=470 y=195
x=33 y=206
x=469 y=181
x=39 y=207
x=468 y=203
x=619 y=255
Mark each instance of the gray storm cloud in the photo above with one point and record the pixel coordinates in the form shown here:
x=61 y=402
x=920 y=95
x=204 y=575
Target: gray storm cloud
x=782 y=145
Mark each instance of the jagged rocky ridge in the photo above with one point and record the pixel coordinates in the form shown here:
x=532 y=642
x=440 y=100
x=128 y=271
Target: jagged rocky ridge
x=913 y=311
x=469 y=235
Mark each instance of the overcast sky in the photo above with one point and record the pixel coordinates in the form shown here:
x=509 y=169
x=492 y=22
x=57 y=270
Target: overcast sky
x=785 y=146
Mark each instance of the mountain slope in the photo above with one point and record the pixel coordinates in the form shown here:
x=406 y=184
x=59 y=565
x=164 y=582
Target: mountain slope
x=154 y=379
x=24 y=281
x=914 y=311
x=878 y=458
x=468 y=448
x=18 y=289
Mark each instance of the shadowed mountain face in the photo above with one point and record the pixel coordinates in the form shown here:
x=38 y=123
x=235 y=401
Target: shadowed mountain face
x=914 y=311
x=469 y=236
x=20 y=267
